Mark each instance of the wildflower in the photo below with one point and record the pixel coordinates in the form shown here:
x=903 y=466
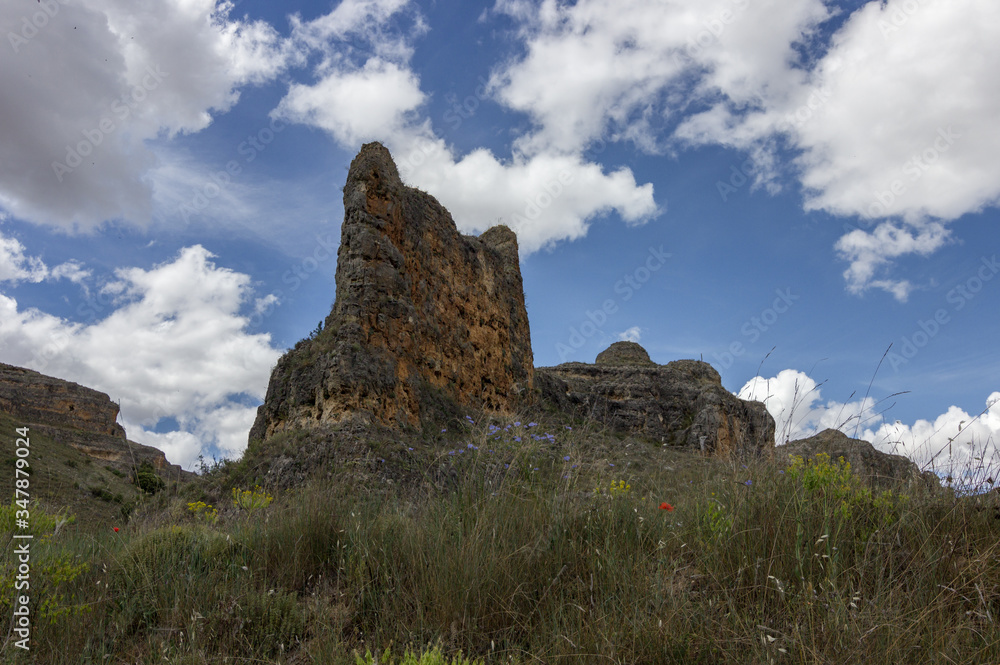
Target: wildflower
x=667 y=507
x=409 y=448
x=116 y=529
x=610 y=463
x=472 y=447
x=451 y=452
x=748 y=483
x=517 y=424
x=566 y=458
x=518 y=439
x=532 y=424
x=568 y=427
x=444 y=430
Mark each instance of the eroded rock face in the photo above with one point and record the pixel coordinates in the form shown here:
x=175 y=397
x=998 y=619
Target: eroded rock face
x=880 y=470
x=681 y=403
x=81 y=417
x=424 y=319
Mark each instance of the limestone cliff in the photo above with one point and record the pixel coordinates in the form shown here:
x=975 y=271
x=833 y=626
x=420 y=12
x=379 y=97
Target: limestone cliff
x=681 y=403
x=424 y=319
x=75 y=415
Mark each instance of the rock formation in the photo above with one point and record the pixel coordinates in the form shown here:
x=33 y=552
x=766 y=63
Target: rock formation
x=880 y=470
x=681 y=403
x=424 y=318
x=75 y=415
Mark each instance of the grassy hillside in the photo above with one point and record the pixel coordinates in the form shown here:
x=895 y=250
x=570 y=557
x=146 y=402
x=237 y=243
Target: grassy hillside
x=516 y=542
x=63 y=478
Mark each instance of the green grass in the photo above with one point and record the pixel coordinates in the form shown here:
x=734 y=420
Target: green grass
x=507 y=552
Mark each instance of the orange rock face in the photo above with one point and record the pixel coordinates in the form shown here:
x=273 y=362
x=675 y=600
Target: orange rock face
x=425 y=318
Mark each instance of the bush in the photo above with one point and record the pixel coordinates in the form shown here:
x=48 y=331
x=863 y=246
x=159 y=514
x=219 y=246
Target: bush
x=146 y=479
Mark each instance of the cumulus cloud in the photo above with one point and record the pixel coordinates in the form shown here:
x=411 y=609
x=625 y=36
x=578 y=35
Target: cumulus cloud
x=88 y=83
x=631 y=335
x=641 y=58
x=954 y=443
x=15 y=266
x=892 y=121
x=174 y=345
x=373 y=94
x=893 y=125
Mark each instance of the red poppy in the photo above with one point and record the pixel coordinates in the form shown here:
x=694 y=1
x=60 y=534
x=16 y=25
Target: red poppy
x=666 y=506
x=116 y=529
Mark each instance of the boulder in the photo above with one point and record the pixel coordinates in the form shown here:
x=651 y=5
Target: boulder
x=425 y=320
x=680 y=404
x=878 y=469
x=75 y=415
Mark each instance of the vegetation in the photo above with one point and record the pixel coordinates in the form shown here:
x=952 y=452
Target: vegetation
x=145 y=478
x=526 y=543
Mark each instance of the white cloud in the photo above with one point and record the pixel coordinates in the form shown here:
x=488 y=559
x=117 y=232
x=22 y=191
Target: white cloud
x=16 y=267
x=631 y=335
x=175 y=346
x=794 y=400
x=545 y=197
x=97 y=79
x=640 y=57
x=894 y=124
x=869 y=252
x=356 y=106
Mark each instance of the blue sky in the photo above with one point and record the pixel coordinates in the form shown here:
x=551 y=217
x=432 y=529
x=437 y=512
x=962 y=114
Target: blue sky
x=783 y=190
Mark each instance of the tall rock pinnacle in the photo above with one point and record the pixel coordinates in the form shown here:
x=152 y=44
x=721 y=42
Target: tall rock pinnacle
x=424 y=317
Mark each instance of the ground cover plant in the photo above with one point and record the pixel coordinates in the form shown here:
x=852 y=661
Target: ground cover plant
x=525 y=542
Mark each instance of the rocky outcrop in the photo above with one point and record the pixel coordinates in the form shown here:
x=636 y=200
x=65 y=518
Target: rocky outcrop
x=624 y=353
x=878 y=469
x=424 y=319
x=78 y=416
x=681 y=403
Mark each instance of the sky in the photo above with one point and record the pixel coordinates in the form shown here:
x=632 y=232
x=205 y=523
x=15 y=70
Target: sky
x=802 y=194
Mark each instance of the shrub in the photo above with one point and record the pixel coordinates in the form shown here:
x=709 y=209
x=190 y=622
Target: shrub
x=145 y=478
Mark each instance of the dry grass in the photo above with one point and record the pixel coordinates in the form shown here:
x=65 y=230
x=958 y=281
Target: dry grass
x=509 y=552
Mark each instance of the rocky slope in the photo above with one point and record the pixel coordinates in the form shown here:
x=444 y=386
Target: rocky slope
x=424 y=319
x=680 y=404
x=880 y=470
x=74 y=415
